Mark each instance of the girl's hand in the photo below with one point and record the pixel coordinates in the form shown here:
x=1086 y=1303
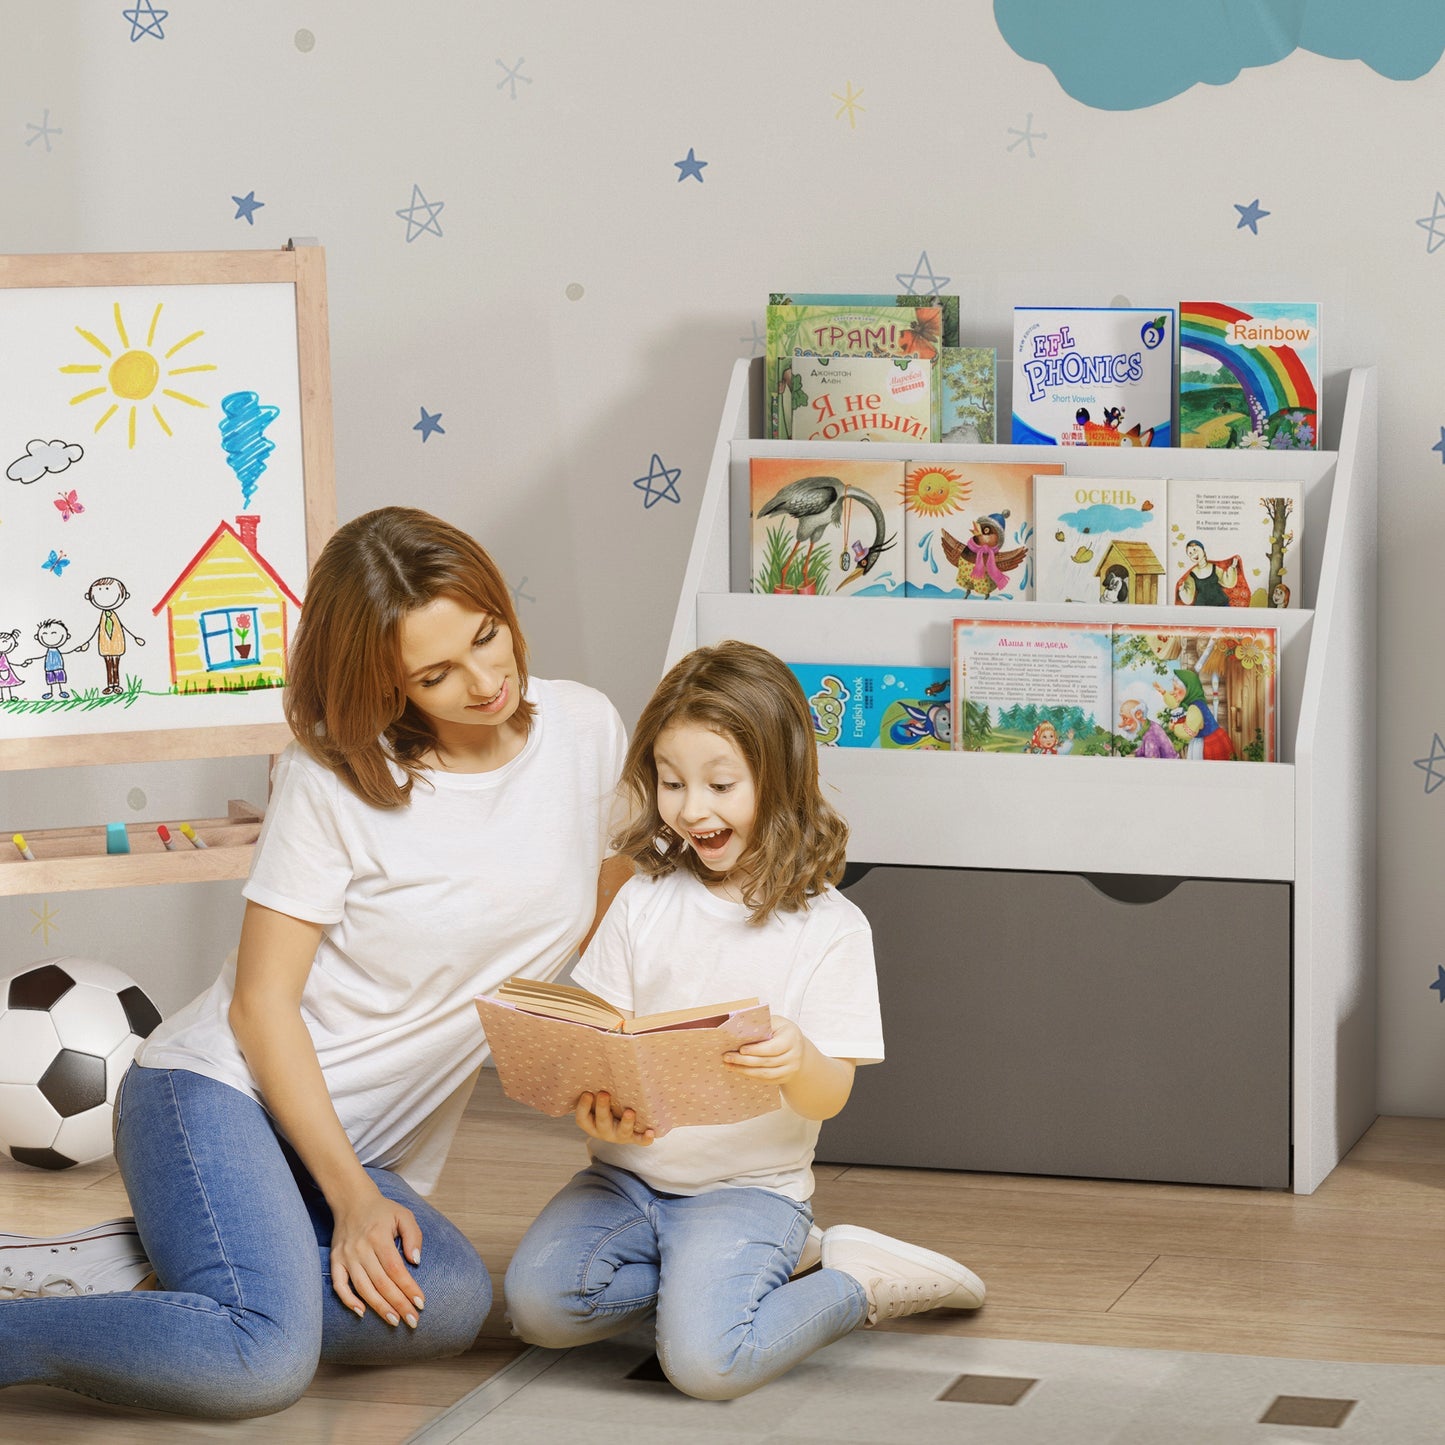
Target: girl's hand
x=366 y=1269
x=595 y=1118
x=776 y=1059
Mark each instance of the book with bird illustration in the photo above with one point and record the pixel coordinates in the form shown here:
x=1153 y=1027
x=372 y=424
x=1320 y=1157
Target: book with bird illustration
x=823 y=527
x=865 y=398
x=1235 y=544
x=968 y=388
x=1093 y=376
x=1249 y=375
x=1101 y=539
x=553 y=1042
x=867 y=705
x=968 y=529
x=837 y=330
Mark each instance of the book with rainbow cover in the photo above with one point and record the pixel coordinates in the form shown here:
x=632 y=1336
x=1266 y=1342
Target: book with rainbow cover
x=1249 y=374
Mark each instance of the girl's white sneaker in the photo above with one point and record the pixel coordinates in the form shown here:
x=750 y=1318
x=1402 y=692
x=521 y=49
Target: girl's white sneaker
x=104 y=1259
x=899 y=1278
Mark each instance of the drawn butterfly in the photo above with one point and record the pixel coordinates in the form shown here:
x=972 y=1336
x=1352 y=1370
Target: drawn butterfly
x=56 y=562
x=69 y=505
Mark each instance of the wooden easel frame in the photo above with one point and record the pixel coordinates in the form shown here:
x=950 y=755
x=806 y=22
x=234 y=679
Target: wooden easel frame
x=301 y=264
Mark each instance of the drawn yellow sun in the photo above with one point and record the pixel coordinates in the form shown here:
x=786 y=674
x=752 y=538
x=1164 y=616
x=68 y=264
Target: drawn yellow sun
x=133 y=375
x=935 y=491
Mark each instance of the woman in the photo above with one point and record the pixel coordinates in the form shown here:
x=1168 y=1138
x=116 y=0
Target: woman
x=437 y=825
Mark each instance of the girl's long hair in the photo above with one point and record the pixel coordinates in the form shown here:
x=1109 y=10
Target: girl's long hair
x=345 y=691
x=742 y=692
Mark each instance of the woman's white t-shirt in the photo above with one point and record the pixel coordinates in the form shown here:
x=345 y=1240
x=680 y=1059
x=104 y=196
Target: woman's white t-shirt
x=671 y=943
x=480 y=876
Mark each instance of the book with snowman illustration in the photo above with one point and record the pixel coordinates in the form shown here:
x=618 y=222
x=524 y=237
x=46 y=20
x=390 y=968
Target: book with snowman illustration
x=1101 y=539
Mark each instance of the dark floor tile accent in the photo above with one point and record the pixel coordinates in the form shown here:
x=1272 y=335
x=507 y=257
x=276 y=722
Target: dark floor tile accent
x=1307 y=1410
x=988 y=1390
x=649 y=1369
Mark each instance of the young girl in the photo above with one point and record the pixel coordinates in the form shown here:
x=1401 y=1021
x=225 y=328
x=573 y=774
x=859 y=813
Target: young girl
x=737 y=852
x=437 y=825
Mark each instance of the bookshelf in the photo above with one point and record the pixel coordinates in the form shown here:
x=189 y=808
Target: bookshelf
x=1304 y=824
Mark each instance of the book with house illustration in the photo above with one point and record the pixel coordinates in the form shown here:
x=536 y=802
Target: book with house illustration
x=1100 y=376
x=968 y=529
x=864 y=398
x=1043 y=688
x=968 y=388
x=1235 y=544
x=836 y=330
x=552 y=1042
x=1249 y=375
x=1101 y=539
x=1196 y=693
x=868 y=705
x=825 y=527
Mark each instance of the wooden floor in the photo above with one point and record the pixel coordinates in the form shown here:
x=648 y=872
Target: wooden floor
x=1353 y=1272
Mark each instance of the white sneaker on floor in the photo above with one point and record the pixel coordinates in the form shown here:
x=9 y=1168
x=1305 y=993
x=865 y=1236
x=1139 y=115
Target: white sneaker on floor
x=812 y=1251
x=104 y=1259
x=899 y=1278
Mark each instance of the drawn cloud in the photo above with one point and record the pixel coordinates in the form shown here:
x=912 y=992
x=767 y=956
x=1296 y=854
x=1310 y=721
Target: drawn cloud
x=41 y=457
x=1129 y=54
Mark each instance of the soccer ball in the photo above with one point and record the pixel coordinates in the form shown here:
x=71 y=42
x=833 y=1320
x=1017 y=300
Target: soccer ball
x=69 y=1028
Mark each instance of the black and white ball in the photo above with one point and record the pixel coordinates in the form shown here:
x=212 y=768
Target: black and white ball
x=69 y=1028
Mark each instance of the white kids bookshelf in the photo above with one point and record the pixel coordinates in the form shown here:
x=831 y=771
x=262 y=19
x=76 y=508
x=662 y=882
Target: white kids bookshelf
x=1269 y=1087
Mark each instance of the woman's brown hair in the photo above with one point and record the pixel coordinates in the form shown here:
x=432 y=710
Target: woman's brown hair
x=744 y=693
x=345 y=693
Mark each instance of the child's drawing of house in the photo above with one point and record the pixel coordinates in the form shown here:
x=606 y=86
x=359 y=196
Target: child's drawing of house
x=227 y=615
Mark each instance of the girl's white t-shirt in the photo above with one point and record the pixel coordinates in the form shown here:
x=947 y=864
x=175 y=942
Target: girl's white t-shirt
x=671 y=943
x=480 y=876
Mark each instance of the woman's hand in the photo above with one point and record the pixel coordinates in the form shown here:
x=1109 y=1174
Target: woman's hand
x=776 y=1059
x=596 y=1119
x=366 y=1269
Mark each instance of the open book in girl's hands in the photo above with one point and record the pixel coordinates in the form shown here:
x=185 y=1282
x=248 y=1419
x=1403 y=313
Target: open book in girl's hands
x=553 y=1042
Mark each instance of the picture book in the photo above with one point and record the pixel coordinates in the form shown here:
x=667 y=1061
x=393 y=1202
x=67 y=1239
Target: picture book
x=968 y=386
x=823 y=527
x=968 y=529
x=948 y=305
x=1249 y=374
x=1098 y=376
x=1236 y=544
x=838 y=330
x=668 y=1067
x=1196 y=693
x=875 y=706
x=864 y=398
x=1032 y=687
x=1101 y=539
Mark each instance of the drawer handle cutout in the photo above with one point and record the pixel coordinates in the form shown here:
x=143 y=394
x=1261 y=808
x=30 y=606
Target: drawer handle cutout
x=1132 y=887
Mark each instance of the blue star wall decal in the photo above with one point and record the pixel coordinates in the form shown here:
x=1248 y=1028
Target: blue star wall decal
x=1439 y=983
x=246 y=207
x=1250 y=215
x=430 y=422
x=145 y=19
x=1432 y=225
x=655 y=473
x=1027 y=136
x=690 y=167
x=1440 y=445
x=43 y=131
x=511 y=74
x=1427 y=765
x=419 y=202
x=909 y=280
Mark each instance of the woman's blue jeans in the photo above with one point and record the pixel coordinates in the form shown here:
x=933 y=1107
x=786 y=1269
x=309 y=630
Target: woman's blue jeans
x=239 y=1236
x=609 y=1252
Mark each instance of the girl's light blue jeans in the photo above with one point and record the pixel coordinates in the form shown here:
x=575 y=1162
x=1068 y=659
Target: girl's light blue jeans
x=609 y=1252
x=239 y=1237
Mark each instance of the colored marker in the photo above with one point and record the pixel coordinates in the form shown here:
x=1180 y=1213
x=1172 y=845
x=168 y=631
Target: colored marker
x=190 y=833
x=19 y=841
x=165 y=835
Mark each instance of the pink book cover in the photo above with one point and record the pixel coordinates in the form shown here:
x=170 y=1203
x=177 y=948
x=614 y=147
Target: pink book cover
x=671 y=1077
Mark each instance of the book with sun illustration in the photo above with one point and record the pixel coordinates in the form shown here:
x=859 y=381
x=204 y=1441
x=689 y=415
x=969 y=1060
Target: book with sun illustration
x=553 y=1042
x=968 y=528
x=821 y=526
x=1249 y=374
x=1235 y=544
x=1093 y=376
x=1196 y=693
x=867 y=705
x=968 y=387
x=864 y=398
x=1101 y=539
x=1032 y=687
x=837 y=330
